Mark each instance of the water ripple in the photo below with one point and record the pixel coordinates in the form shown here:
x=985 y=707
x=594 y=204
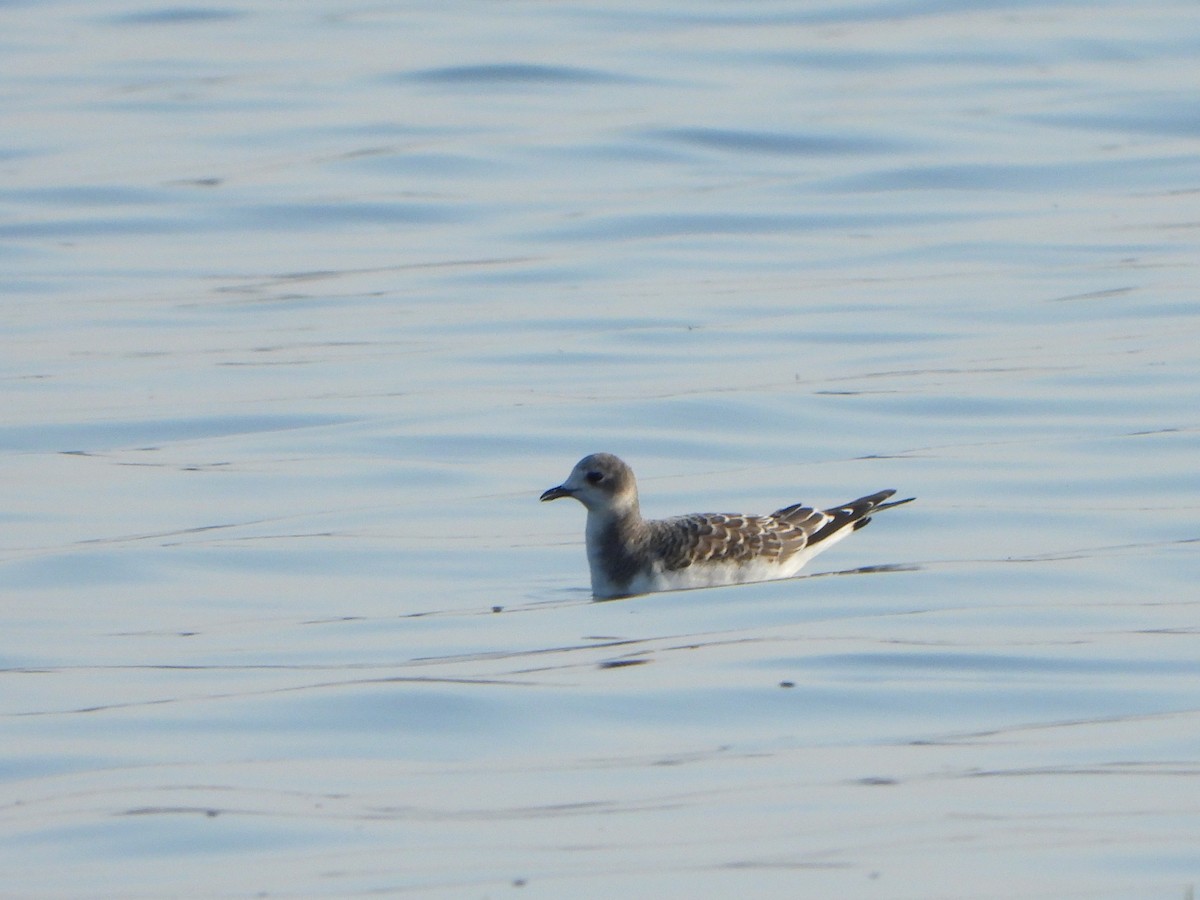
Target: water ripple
x=502 y=74
x=772 y=142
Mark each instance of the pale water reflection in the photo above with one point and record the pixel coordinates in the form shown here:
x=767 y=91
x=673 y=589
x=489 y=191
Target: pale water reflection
x=306 y=303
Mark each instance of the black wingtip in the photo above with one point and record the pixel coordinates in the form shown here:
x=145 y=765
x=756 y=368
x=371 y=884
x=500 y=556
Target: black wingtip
x=893 y=503
x=855 y=514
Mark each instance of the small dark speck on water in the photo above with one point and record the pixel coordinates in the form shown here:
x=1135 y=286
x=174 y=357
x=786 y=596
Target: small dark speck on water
x=497 y=609
x=518 y=882
x=787 y=684
x=876 y=781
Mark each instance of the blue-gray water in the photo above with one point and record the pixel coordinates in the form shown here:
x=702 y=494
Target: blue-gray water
x=304 y=304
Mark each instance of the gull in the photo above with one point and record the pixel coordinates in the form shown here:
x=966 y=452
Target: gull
x=630 y=555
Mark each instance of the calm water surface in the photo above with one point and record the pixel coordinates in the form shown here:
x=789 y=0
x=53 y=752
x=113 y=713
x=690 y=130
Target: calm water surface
x=304 y=304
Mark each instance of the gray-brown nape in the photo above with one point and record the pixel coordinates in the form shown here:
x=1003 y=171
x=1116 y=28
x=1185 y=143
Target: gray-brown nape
x=622 y=553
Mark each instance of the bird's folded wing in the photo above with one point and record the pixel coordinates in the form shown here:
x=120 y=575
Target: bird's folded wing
x=721 y=537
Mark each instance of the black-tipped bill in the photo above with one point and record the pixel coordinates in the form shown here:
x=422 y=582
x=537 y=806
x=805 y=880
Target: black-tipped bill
x=555 y=492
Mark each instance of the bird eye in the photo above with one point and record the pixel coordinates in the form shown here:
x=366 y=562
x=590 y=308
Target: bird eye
x=595 y=477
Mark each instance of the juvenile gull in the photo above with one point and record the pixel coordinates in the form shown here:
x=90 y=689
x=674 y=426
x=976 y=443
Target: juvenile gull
x=631 y=555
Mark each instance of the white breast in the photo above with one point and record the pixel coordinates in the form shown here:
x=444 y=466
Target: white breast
x=710 y=574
